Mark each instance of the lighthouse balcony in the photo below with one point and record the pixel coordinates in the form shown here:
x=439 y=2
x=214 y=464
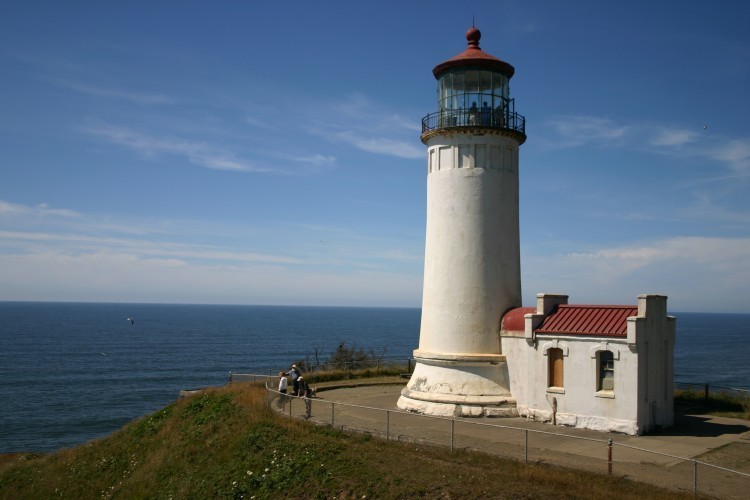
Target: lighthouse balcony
x=473 y=118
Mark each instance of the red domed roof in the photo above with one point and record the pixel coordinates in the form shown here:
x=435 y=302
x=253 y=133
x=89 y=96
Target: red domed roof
x=474 y=56
x=514 y=320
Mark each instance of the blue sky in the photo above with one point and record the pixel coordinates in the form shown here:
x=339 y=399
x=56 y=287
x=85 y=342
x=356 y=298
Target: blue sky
x=269 y=152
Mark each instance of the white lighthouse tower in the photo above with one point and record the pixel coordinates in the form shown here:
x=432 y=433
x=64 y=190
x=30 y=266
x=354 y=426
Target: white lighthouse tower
x=472 y=272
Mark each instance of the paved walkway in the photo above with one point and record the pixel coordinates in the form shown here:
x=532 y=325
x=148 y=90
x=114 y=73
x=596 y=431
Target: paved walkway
x=724 y=442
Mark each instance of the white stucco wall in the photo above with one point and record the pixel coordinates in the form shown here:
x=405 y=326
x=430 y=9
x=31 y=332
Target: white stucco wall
x=652 y=333
x=643 y=378
x=472 y=257
x=516 y=351
x=579 y=404
x=472 y=276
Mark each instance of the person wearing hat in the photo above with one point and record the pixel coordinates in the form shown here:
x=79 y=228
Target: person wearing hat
x=294 y=372
x=306 y=393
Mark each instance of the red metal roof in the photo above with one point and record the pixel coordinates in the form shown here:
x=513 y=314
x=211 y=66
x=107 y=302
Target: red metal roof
x=606 y=321
x=513 y=320
x=474 y=56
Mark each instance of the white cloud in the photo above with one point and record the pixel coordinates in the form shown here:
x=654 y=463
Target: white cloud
x=135 y=97
x=697 y=273
x=575 y=131
x=198 y=153
x=80 y=243
x=98 y=258
x=736 y=153
x=381 y=145
x=41 y=210
x=674 y=137
x=585 y=131
x=106 y=276
x=368 y=126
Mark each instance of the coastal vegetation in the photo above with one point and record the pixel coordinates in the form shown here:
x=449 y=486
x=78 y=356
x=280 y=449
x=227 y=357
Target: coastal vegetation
x=724 y=403
x=227 y=443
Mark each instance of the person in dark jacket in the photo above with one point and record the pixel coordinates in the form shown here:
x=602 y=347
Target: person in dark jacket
x=305 y=392
x=294 y=372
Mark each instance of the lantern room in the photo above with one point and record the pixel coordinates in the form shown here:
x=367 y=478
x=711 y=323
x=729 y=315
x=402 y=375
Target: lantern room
x=473 y=91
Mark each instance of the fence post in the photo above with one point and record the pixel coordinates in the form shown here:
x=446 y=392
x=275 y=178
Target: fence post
x=695 y=474
x=230 y=378
x=408 y=365
x=705 y=394
x=387 y=423
x=526 y=447
x=333 y=407
x=453 y=433
x=291 y=401
x=609 y=457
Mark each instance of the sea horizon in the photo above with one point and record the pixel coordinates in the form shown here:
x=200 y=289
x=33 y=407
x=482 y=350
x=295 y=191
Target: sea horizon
x=230 y=304
x=74 y=371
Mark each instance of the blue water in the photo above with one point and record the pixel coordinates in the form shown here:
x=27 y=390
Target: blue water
x=71 y=372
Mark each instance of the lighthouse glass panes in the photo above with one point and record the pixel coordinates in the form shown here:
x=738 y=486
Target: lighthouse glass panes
x=473 y=94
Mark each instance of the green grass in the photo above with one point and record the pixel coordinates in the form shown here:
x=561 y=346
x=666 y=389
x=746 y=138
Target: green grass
x=723 y=404
x=226 y=443
x=365 y=373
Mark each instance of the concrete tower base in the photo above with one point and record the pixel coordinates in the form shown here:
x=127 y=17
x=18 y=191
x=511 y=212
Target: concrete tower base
x=459 y=385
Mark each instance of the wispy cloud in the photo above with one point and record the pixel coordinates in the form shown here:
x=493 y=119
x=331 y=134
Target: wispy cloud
x=198 y=153
x=693 y=271
x=262 y=124
x=585 y=131
x=734 y=152
x=134 y=97
x=366 y=125
x=576 y=131
x=93 y=258
x=75 y=243
x=379 y=145
x=106 y=276
x=41 y=210
x=674 y=137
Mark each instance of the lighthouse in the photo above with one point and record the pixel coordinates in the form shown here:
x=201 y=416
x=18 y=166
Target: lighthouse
x=472 y=272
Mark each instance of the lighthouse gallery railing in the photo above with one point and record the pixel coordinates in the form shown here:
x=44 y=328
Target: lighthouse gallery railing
x=503 y=119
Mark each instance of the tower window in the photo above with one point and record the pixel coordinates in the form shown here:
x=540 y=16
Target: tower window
x=555 y=368
x=606 y=363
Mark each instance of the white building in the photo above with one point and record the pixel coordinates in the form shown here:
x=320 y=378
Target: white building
x=601 y=367
x=480 y=353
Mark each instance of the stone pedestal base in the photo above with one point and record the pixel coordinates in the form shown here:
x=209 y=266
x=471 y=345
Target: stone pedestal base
x=460 y=385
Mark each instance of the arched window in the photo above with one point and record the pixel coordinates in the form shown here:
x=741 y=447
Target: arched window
x=555 y=368
x=606 y=371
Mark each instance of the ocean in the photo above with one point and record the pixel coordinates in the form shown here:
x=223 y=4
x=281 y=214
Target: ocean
x=72 y=372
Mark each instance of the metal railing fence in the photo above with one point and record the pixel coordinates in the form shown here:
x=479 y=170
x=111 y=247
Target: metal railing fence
x=504 y=119
x=707 y=389
x=380 y=363
x=604 y=456
x=711 y=390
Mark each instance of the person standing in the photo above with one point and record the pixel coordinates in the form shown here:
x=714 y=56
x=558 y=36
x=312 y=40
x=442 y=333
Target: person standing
x=305 y=392
x=283 y=385
x=294 y=372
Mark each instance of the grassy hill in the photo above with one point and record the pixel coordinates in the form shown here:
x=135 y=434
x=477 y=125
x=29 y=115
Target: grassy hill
x=225 y=443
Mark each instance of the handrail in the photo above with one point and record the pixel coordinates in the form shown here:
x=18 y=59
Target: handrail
x=472 y=118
